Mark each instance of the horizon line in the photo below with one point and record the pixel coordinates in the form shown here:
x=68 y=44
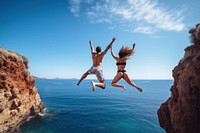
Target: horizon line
x=91 y=79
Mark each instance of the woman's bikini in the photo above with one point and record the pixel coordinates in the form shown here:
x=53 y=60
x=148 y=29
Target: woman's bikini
x=121 y=63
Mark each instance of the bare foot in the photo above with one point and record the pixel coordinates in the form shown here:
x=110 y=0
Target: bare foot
x=77 y=84
x=139 y=89
x=93 y=86
x=124 y=87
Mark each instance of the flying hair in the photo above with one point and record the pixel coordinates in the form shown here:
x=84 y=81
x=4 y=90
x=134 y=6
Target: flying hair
x=125 y=52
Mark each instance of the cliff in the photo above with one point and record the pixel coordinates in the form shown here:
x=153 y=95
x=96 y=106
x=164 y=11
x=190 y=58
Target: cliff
x=19 y=98
x=181 y=112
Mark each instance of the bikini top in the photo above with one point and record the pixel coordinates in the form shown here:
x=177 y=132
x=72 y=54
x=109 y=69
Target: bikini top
x=120 y=63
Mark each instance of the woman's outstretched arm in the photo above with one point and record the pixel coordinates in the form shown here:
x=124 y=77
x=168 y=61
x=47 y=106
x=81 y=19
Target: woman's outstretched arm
x=133 y=46
x=113 y=54
x=132 y=51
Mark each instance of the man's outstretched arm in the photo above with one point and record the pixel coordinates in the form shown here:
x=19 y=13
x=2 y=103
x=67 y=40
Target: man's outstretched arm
x=91 y=47
x=133 y=46
x=107 y=48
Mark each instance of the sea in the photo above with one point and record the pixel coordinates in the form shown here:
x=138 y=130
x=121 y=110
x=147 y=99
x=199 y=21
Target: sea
x=77 y=109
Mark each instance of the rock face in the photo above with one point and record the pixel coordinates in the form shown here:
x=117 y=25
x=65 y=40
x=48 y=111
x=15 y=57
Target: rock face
x=181 y=112
x=19 y=98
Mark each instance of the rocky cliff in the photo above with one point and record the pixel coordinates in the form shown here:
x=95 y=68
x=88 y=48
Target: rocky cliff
x=19 y=98
x=181 y=112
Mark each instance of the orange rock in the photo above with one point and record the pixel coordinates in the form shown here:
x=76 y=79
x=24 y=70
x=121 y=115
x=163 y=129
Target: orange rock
x=19 y=97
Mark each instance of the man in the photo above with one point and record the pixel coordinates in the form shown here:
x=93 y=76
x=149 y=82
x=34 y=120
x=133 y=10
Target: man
x=97 y=58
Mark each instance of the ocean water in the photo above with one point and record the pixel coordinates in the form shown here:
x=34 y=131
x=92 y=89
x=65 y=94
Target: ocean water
x=76 y=109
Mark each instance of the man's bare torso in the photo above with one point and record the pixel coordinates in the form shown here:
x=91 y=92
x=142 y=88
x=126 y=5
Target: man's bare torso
x=97 y=59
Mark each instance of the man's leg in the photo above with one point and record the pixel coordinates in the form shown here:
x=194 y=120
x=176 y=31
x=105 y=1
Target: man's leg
x=99 y=84
x=83 y=77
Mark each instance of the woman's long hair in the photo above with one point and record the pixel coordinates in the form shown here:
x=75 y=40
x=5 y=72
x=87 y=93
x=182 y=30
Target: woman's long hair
x=125 y=51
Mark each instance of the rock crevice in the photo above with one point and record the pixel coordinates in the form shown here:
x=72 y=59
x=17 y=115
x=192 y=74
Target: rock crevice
x=19 y=98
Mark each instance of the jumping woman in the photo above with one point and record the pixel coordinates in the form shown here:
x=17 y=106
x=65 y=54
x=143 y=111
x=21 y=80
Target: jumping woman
x=124 y=54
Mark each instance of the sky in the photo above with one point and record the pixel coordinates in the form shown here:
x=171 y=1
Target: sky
x=54 y=34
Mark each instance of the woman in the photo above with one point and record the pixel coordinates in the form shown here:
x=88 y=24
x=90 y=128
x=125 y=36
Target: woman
x=124 y=54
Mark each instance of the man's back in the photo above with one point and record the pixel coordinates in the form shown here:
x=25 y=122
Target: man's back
x=97 y=59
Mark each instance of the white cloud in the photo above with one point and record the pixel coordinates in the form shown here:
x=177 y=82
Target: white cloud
x=158 y=37
x=157 y=15
x=126 y=14
x=144 y=29
x=75 y=6
x=112 y=27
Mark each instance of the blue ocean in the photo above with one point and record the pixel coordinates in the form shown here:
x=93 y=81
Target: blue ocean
x=77 y=109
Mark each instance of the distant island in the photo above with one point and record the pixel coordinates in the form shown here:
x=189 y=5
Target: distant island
x=36 y=77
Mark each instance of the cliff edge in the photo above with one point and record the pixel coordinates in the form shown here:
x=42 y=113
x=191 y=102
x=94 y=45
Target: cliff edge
x=181 y=112
x=19 y=98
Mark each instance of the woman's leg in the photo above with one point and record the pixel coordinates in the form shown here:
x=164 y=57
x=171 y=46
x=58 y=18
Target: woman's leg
x=127 y=79
x=116 y=79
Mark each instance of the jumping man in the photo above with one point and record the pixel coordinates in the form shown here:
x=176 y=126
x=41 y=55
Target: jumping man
x=97 y=58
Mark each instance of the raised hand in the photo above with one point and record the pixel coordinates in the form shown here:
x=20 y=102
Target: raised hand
x=133 y=45
x=90 y=41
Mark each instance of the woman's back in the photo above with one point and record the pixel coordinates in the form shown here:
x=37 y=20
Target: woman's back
x=121 y=63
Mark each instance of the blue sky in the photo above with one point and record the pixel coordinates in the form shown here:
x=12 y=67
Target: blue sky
x=54 y=35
